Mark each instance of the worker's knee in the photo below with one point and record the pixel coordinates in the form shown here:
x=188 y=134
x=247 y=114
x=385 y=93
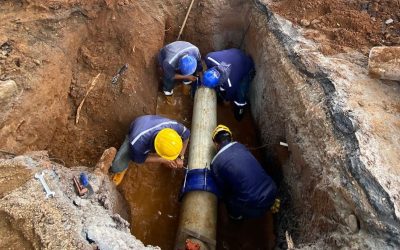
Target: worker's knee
x=122 y=159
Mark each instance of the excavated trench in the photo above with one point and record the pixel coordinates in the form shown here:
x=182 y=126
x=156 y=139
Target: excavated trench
x=288 y=104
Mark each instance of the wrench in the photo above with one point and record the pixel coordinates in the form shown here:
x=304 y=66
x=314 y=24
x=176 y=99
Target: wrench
x=40 y=177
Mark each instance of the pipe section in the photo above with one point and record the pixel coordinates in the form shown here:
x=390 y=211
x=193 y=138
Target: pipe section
x=198 y=218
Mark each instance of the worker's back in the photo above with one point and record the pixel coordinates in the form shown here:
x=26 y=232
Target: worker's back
x=241 y=177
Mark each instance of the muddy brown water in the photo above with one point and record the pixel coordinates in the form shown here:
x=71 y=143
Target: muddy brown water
x=152 y=191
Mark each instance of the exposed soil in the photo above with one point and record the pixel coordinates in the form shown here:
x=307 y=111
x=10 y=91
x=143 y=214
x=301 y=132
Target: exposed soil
x=358 y=24
x=53 y=50
x=65 y=47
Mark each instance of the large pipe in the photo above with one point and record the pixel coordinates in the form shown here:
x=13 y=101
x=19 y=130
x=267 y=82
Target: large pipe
x=198 y=218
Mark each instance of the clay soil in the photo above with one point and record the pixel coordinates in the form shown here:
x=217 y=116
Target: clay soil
x=53 y=51
x=357 y=24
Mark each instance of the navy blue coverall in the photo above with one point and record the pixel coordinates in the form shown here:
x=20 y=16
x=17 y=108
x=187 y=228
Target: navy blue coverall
x=247 y=190
x=140 y=141
x=237 y=71
x=168 y=59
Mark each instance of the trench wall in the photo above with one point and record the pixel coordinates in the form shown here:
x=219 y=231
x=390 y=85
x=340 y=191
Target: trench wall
x=334 y=198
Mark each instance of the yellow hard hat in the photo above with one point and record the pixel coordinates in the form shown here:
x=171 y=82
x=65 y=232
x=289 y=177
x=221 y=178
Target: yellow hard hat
x=168 y=144
x=220 y=128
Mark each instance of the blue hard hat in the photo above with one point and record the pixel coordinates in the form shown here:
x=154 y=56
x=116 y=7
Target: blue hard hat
x=211 y=77
x=187 y=65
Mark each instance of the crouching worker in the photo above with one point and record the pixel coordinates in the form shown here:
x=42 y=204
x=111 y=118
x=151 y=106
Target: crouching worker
x=179 y=61
x=152 y=139
x=247 y=190
x=230 y=72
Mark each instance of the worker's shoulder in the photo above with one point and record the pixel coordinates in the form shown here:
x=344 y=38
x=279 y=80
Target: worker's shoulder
x=179 y=44
x=228 y=52
x=233 y=150
x=153 y=119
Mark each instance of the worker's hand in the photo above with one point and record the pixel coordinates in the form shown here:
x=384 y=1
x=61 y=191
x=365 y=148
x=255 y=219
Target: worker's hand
x=191 y=78
x=172 y=164
x=179 y=162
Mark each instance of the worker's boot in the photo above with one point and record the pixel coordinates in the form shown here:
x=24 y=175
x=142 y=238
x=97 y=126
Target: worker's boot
x=118 y=177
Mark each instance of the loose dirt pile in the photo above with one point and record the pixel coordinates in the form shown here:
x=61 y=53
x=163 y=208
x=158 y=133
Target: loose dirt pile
x=66 y=221
x=358 y=24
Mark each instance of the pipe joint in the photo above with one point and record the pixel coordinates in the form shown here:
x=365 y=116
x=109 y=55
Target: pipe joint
x=199 y=180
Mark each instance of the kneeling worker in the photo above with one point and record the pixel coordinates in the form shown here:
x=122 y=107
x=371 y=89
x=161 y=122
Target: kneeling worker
x=152 y=139
x=247 y=190
x=230 y=72
x=179 y=61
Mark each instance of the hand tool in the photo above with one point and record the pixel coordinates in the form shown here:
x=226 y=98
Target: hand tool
x=119 y=73
x=40 y=177
x=79 y=188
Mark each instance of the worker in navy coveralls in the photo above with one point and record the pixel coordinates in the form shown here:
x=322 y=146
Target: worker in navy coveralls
x=230 y=73
x=152 y=139
x=247 y=190
x=179 y=61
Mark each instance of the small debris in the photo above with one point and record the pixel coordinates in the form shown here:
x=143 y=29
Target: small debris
x=8 y=89
x=305 y=22
x=352 y=222
x=37 y=62
x=289 y=240
x=315 y=22
x=6 y=48
x=80 y=202
x=283 y=144
x=389 y=21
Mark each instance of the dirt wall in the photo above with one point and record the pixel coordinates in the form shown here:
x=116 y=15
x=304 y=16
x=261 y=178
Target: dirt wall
x=60 y=47
x=300 y=96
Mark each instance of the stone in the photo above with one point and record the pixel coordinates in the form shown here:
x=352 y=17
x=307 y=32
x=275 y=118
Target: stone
x=80 y=202
x=389 y=21
x=8 y=89
x=315 y=23
x=104 y=164
x=305 y=22
x=37 y=62
x=384 y=63
x=352 y=222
